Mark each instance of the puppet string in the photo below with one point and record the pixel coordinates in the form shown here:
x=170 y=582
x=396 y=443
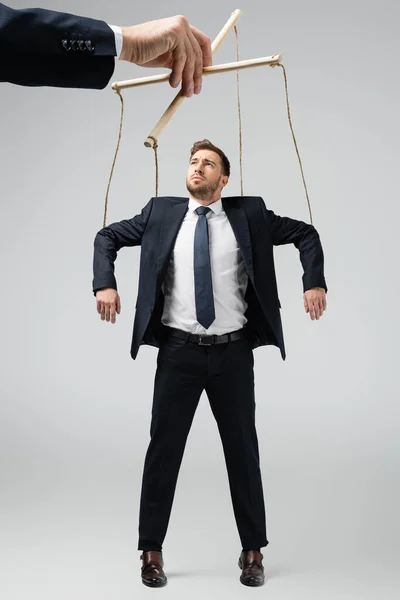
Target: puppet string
x=155 y=147
x=117 y=91
x=294 y=137
x=239 y=113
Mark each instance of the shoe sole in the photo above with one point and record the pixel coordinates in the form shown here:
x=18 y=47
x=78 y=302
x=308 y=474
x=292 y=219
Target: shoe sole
x=154 y=585
x=251 y=584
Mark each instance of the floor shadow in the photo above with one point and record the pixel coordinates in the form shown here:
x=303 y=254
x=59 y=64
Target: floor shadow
x=271 y=572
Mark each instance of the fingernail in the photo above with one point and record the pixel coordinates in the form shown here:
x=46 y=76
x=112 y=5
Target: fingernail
x=197 y=89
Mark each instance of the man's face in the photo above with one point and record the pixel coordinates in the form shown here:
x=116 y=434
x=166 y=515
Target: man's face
x=204 y=178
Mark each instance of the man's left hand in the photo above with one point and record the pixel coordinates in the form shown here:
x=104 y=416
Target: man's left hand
x=315 y=302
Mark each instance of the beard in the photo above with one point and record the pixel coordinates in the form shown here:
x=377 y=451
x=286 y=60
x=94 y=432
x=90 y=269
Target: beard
x=202 y=191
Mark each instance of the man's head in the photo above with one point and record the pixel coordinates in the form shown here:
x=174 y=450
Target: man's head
x=208 y=172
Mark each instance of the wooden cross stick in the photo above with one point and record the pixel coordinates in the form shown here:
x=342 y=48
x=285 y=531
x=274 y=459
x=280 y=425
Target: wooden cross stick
x=179 y=98
x=152 y=138
x=224 y=68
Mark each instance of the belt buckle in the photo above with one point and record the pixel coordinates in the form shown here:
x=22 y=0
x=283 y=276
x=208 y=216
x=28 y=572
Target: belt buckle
x=201 y=341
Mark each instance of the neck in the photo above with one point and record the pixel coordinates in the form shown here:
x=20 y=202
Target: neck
x=205 y=201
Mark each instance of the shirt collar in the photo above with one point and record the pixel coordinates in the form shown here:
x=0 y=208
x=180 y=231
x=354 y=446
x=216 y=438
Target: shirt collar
x=216 y=206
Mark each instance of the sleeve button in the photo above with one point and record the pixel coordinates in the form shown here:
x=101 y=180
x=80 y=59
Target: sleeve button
x=89 y=45
x=65 y=45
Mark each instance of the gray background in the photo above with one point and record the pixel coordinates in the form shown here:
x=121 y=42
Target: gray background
x=75 y=409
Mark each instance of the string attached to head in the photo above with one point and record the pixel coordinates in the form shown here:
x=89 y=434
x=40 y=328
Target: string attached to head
x=239 y=112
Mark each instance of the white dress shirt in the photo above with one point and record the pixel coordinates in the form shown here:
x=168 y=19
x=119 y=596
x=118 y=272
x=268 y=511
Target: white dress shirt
x=229 y=277
x=118 y=38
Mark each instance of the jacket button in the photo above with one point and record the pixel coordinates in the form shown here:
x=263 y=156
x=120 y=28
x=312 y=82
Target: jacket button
x=65 y=45
x=89 y=45
x=74 y=45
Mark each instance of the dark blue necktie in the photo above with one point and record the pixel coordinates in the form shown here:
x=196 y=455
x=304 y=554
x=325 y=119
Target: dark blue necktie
x=202 y=271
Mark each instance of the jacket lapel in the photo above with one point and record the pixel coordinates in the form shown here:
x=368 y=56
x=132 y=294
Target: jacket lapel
x=238 y=219
x=174 y=210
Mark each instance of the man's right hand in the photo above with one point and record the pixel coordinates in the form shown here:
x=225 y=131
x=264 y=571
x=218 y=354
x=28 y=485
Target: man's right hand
x=108 y=304
x=171 y=43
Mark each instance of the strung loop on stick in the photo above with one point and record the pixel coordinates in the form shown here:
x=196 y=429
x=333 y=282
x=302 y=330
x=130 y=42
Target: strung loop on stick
x=293 y=135
x=155 y=148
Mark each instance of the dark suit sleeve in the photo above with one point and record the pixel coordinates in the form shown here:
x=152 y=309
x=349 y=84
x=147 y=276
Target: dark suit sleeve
x=306 y=239
x=112 y=238
x=41 y=47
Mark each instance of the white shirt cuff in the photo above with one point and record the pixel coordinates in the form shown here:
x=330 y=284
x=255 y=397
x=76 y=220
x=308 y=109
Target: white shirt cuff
x=118 y=38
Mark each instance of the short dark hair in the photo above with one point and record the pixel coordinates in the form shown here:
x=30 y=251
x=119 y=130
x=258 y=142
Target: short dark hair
x=207 y=145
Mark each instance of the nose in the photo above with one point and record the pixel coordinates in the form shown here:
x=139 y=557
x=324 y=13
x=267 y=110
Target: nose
x=198 y=169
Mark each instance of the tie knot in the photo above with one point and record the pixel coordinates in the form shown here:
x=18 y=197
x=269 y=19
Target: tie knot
x=202 y=210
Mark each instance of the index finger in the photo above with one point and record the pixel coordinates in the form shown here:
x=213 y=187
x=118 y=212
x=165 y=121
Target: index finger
x=205 y=45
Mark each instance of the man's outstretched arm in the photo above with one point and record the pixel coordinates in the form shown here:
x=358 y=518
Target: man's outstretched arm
x=107 y=243
x=306 y=239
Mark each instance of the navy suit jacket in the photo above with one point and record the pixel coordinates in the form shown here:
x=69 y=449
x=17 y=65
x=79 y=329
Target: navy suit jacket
x=43 y=47
x=257 y=230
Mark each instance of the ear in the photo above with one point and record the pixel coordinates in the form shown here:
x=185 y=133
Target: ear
x=225 y=180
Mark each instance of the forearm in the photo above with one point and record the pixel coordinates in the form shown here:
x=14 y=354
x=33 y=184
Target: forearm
x=40 y=47
x=104 y=256
x=312 y=260
x=58 y=71
x=40 y=31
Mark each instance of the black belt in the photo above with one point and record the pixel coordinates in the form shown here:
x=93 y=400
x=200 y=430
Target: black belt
x=207 y=340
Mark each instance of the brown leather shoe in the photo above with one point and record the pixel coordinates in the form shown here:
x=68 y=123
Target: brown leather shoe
x=252 y=569
x=152 y=569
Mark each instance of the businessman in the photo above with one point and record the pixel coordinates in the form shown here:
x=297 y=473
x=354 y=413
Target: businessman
x=207 y=297
x=40 y=47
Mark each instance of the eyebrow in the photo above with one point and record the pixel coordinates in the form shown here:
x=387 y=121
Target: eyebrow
x=207 y=159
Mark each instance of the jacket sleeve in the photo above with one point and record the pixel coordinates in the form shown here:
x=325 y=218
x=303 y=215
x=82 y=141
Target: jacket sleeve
x=110 y=240
x=306 y=239
x=41 y=47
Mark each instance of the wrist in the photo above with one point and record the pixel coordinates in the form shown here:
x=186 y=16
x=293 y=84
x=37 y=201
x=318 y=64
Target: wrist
x=126 y=48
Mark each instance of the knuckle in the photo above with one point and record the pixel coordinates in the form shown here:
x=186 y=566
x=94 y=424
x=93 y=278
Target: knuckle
x=180 y=23
x=182 y=20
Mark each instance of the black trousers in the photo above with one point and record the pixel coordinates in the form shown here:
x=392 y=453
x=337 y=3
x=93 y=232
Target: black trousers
x=225 y=372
